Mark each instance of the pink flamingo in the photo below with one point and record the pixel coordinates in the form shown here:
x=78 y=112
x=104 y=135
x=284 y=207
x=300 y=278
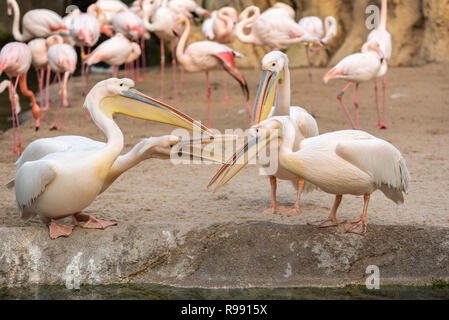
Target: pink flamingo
x=62 y=58
x=15 y=60
x=136 y=51
x=162 y=20
x=6 y=84
x=189 y=8
x=223 y=22
x=85 y=32
x=314 y=26
x=205 y=56
x=357 y=68
x=107 y=9
x=275 y=27
x=383 y=37
x=37 y=23
x=38 y=49
x=131 y=26
x=114 y=51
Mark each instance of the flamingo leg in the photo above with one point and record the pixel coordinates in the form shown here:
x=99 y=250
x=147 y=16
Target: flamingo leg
x=340 y=98
x=55 y=119
x=359 y=226
x=225 y=87
x=40 y=80
x=332 y=220
x=115 y=71
x=47 y=88
x=208 y=99
x=379 y=122
x=162 y=97
x=17 y=149
x=143 y=57
x=173 y=64
x=356 y=105
x=86 y=72
x=309 y=71
x=384 y=88
x=35 y=107
x=83 y=72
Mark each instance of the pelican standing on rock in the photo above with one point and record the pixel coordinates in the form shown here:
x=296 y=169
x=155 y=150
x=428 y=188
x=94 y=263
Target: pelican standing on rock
x=340 y=162
x=275 y=71
x=65 y=182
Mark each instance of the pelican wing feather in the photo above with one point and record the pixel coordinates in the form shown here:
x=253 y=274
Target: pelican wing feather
x=30 y=181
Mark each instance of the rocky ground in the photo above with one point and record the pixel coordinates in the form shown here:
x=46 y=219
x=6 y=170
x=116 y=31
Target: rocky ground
x=171 y=230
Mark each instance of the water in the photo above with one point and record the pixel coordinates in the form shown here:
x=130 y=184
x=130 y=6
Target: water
x=161 y=292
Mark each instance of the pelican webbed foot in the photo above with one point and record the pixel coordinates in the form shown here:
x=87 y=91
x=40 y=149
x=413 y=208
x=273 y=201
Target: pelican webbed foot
x=59 y=230
x=326 y=223
x=357 y=227
x=89 y=222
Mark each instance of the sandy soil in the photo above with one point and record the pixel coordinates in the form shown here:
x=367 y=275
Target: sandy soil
x=158 y=191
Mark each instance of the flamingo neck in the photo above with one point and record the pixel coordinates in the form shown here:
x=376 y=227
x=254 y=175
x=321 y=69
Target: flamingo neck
x=15 y=24
x=383 y=15
x=226 y=19
x=247 y=38
x=182 y=43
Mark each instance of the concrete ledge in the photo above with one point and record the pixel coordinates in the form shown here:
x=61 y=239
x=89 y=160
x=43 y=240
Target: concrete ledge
x=243 y=254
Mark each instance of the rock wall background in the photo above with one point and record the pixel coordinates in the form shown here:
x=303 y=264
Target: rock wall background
x=419 y=28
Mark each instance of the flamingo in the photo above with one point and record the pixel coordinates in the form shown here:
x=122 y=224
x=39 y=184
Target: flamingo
x=7 y=84
x=133 y=56
x=85 y=32
x=275 y=68
x=62 y=183
x=357 y=68
x=105 y=10
x=131 y=25
x=37 y=23
x=114 y=51
x=162 y=20
x=189 y=8
x=223 y=25
x=39 y=60
x=67 y=19
x=15 y=60
x=383 y=37
x=205 y=56
x=314 y=26
x=275 y=27
x=340 y=163
x=207 y=28
x=62 y=58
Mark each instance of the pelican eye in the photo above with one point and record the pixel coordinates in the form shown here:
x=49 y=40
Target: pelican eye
x=273 y=64
x=121 y=84
x=171 y=146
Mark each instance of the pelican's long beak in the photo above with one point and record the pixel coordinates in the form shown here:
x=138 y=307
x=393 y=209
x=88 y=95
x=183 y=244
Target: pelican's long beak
x=135 y=104
x=241 y=158
x=265 y=96
x=192 y=148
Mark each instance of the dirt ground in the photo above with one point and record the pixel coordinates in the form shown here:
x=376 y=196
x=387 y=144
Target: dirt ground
x=157 y=191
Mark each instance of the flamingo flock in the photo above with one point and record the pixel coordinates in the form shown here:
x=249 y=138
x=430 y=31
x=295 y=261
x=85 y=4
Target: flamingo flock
x=346 y=162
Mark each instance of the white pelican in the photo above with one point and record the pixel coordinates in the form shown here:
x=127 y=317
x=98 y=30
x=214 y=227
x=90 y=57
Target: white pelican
x=64 y=182
x=275 y=70
x=340 y=162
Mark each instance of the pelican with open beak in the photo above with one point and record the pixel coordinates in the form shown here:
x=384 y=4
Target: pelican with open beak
x=64 y=182
x=275 y=82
